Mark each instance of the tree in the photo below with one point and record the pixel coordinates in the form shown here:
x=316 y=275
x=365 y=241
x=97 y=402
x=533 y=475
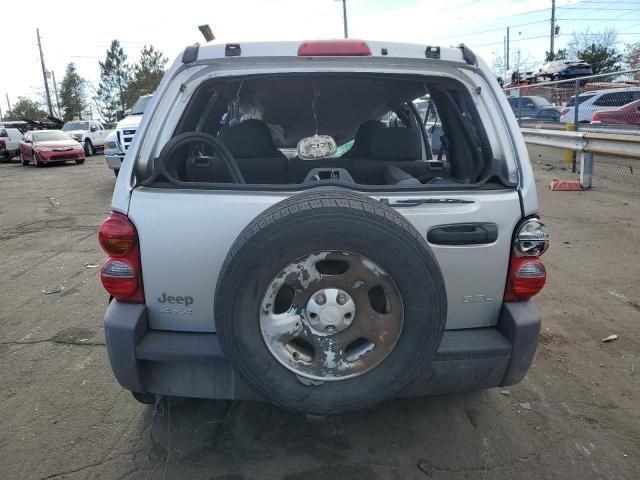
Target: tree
x=601 y=59
x=115 y=77
x=632 y=54
x=559 y=55
x=596 y=48
x=73 y=99
x=25 y=108
x=147 y=74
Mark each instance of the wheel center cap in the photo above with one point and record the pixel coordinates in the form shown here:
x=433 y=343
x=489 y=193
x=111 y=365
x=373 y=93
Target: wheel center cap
x=330 y=315
x=330 y=310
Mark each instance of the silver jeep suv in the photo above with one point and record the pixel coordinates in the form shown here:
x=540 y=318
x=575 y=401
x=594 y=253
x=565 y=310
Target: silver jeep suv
x=283 y=230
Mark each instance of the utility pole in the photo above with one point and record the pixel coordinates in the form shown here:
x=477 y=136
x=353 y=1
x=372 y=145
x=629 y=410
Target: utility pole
x=344 y=17
x=55 y=89
x=1 y=117
x=44 y=74
x=8 y=102
x=507 y=53
x=553 y=28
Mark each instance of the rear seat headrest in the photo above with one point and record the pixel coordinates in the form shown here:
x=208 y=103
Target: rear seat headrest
x=249 y=139
x=362 y=140
x=396 y=144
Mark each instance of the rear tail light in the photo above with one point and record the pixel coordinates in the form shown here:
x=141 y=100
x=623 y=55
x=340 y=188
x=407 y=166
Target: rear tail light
x=3 y=144
x=117 y=235
x=121 y=274
x=596 y=118
x=334 y=48
x=527 y=274
x=564 y=111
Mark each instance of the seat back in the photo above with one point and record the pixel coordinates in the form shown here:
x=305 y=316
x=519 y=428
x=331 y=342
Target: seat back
x=395 y=145
x=254 y=151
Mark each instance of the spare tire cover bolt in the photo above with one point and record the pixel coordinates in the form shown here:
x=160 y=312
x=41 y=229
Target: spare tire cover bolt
x=330 y=329
x=321 y=299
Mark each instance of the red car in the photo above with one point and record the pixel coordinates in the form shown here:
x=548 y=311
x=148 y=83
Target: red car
x=628 y=114
x=49 y=146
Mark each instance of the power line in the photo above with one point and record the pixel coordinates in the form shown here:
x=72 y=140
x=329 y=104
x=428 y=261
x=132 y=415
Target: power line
x=600 y=8
x=598 y=19
x=501 y=29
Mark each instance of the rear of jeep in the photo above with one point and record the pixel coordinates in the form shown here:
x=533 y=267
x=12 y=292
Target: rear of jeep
x=283 y=229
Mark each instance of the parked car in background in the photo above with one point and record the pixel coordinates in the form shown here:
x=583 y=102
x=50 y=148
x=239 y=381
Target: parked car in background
x=125 y=130
x=18 y=124
x=534 y=108
x=597 y=101
x=49 y=146
x=90 y=133
x=564 y=69
x=515 y=77
x=626 y=115
x=9 y=143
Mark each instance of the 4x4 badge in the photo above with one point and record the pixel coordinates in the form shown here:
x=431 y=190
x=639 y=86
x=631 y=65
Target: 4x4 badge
x=174 y=311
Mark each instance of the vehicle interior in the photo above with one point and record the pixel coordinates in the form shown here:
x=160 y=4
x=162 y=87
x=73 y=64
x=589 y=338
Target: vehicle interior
x=300 y=129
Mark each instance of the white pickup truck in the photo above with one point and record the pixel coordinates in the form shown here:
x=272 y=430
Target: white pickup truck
x=117 y=144
x=90 y=133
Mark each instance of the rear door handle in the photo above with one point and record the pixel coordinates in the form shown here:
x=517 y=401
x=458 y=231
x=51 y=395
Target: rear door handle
x=463 y=234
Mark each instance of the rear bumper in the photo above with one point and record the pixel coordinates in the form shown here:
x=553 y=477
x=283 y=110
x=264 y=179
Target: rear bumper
x=193 y=365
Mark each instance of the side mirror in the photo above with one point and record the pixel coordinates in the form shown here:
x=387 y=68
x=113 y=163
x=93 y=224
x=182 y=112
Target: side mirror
x=119 y=115
x=94 y=128
x=27 y=141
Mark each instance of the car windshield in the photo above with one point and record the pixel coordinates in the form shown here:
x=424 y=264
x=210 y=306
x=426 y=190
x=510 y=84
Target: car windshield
x=50 y=136
x=140 y=105
x=76 y=126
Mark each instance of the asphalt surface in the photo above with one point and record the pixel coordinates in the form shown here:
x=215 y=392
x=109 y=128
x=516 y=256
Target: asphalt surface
x=63 y=416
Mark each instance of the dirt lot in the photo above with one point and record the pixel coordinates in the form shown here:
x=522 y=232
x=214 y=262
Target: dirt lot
x=575 y=416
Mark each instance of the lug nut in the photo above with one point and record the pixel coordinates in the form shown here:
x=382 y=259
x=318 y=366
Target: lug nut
x=341 y=299
x=330 y=329
x=321 y=299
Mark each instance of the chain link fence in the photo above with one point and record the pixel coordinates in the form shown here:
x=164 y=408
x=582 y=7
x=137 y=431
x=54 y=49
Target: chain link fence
x=607 y=104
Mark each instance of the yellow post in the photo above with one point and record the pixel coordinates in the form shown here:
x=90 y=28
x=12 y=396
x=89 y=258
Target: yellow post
x=568 y=154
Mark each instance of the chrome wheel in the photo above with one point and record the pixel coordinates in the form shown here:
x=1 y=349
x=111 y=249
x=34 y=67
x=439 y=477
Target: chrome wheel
x=331 y=316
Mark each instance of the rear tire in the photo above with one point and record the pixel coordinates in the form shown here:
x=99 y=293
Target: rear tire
x=80 y=162
x=555 y=78
x=396 y=286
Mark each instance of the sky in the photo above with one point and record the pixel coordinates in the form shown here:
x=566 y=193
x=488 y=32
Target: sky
x=71 y=35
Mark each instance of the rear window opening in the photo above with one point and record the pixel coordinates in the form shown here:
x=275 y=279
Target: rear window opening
x=376 y=131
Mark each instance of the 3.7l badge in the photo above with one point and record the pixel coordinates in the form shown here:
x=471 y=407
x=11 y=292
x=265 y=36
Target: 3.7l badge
x=476 y=298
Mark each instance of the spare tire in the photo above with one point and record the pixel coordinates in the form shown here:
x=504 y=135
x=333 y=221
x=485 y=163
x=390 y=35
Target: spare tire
x=329 y=301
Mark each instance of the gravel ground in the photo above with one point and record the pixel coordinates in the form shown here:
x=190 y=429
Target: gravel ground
x=575 y=415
